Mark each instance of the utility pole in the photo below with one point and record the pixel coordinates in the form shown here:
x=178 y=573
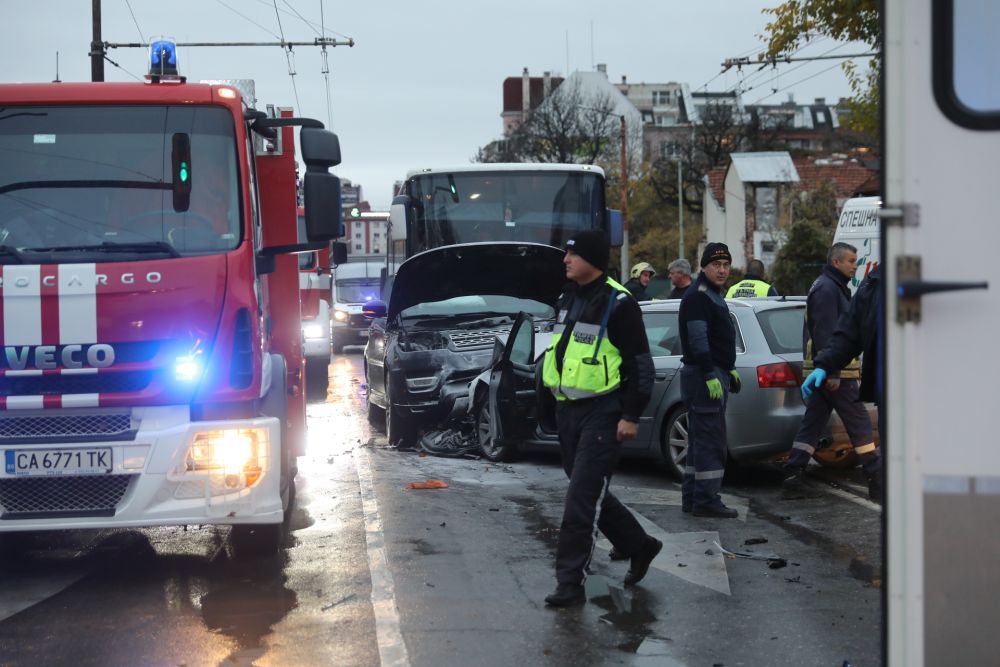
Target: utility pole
x=680 y=208
x=96 y=44
x=624 y=202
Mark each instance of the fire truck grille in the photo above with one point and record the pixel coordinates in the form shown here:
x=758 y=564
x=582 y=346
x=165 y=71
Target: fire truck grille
x=63 y=426
x=41 y=497
x=469 y=340
x=96 y=383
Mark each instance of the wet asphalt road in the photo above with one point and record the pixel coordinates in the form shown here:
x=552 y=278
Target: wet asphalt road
x=373 y=573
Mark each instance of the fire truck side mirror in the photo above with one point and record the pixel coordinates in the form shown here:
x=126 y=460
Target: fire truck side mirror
x=320 y=148
x=338 y=253
x=320 y=151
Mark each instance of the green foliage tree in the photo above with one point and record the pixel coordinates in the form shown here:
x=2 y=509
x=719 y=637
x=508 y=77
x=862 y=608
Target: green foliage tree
x=796 y=21
x=801 y=257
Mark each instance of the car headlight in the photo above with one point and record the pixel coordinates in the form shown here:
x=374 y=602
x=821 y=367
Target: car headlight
x=340 y=315
x=237 y=455
x=313 y=330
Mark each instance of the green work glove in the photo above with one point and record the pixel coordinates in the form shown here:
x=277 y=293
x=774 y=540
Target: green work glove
x=714 y=389
x=735 y=383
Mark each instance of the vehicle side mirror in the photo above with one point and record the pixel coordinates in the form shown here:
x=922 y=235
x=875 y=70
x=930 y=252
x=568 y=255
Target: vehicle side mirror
x=374 y=309
x=399 y=217
x=324 y=220
x=320 y=148
x=616 y=227
x=338 y=253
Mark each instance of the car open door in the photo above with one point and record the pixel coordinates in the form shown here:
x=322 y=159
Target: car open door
x=513 y=391
x=940 y=240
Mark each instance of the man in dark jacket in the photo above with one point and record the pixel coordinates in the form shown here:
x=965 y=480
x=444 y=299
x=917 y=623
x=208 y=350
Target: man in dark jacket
x=858 y=332
x=708 y=343
x=600 y=371
x=828 y=299
x=639 y=278
x=680 y=277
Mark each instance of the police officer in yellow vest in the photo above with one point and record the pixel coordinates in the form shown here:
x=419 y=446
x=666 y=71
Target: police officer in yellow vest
x=828 y=299
x=599 y=368
x=753 y=283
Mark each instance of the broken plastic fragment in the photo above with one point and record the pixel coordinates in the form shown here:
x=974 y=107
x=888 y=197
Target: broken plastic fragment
x=429 y=484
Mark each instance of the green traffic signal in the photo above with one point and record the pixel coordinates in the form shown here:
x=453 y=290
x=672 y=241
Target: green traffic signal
x=183 y=172
x=355 y=212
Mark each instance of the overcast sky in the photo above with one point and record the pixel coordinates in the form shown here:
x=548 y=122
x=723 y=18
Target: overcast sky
x=422 y=85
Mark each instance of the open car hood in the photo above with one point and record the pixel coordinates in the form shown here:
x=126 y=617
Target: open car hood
x=520 y=270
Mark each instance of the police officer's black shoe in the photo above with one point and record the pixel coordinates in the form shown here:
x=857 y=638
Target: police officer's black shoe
x=566 y=595
x=614 y=554
x=720 y=512
x=794 y=486
x=641 y=560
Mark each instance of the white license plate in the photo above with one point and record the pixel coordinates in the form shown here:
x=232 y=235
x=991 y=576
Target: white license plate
x=93 y=461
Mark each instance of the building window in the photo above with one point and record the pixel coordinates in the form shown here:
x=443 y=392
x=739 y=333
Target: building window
x=357 y=235
x=357 y=246
x=647 y=117
x=669 y=150
x=375 y=236
x=661 y=97
x=821 y=118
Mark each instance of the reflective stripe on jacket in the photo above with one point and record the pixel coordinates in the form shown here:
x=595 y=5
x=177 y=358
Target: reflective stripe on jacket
x=591 y=364
x=746 y=289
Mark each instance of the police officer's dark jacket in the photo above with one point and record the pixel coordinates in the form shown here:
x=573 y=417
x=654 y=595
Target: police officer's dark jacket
x=856 y=333
x=636 y=289
x=708 y=337
x=829 y=298
x=625 y=330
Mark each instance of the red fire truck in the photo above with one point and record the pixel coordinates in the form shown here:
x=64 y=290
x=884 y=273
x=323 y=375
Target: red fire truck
x=152 y=362
x=314 y=292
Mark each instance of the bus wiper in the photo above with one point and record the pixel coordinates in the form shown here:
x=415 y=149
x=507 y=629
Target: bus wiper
x=144 y=247
x=11 y=251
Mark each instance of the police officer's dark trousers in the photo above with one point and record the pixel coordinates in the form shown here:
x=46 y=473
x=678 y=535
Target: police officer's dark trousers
x=707 y=449
x=590 y=450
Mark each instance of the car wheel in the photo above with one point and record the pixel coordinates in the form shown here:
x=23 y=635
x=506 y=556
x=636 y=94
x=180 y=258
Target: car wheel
x=399 y=430
x=488 y=446
x=675 y=442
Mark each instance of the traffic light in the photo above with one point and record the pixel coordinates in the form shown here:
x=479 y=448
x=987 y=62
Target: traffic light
x=355 y=212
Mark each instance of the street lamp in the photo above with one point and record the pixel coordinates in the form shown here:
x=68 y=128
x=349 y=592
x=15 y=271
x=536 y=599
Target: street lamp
x=624 y=167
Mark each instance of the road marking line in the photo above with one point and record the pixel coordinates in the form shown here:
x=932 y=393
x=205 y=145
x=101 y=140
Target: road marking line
x=854 y=498
x=391 y=647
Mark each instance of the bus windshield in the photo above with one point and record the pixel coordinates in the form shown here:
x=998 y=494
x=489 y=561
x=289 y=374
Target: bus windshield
x=476 y=206
x=98 y=176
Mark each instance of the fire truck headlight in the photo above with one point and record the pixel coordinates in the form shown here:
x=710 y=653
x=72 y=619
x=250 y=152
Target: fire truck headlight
x=340 y=316
x=187 y=369
x=313 y=330
x=235 y=454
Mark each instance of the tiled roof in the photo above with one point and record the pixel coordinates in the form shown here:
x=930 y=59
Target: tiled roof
x=849 y=178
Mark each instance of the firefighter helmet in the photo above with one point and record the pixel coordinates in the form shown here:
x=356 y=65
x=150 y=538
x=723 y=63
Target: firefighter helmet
x=640 y=267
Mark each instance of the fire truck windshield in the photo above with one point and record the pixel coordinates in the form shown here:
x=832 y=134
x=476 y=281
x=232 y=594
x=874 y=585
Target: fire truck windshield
x=76 y=177
x=474 y=206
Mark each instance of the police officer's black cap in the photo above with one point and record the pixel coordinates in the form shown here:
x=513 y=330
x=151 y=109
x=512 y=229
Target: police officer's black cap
x=714 y=251
x=592 y=246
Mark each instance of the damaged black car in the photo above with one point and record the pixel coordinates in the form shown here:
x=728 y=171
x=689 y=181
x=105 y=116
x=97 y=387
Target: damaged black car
x=437 y=330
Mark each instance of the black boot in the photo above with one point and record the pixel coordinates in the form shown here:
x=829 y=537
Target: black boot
x=875 y=490
x=566 y=595
x=794 y=486
x=641 y=560
x=716 y=512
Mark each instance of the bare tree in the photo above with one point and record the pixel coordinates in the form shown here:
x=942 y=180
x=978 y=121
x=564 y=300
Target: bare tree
x=569 y=126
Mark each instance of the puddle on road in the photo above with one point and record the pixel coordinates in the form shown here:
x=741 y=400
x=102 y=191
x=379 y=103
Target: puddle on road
x=842 y=555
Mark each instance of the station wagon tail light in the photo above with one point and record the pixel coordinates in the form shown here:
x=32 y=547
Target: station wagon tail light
x=777 y=376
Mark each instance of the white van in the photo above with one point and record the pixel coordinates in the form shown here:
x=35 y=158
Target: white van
x=859 y=226
x=354 y=285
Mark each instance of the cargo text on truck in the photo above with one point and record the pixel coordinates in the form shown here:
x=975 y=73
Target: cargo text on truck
x=149 y=307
